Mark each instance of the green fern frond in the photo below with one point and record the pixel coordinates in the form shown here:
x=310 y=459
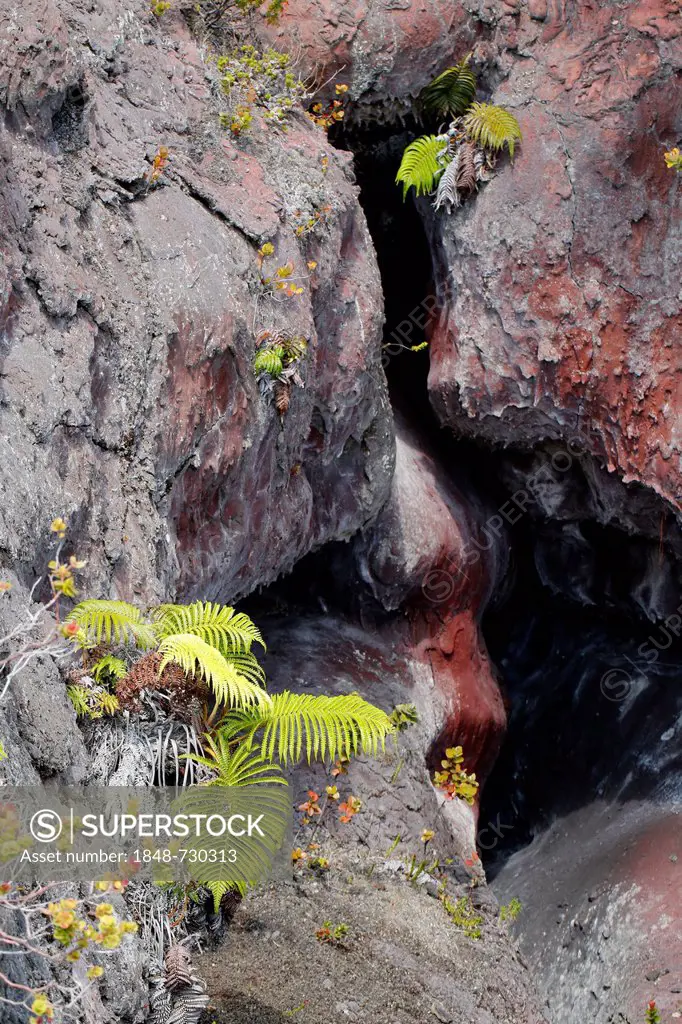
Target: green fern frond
x=236 y=767
x=295 y=725
x=451 y=92
x=269 y=360
x=112 y=622
x=423 y=162
x=197 y=657
x=111 y=666
x=247 y=666
x=78 y=696
x=218 y=625
x=220 y=889
x=107 y=703
x=254 y=852
x=492 y=127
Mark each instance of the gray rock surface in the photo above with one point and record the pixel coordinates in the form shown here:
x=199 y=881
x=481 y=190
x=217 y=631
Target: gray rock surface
x=129 y=316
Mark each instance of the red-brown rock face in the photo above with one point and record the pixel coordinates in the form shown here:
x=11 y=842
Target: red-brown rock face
x=385 y=52
x=560 y=281
x=420 y=556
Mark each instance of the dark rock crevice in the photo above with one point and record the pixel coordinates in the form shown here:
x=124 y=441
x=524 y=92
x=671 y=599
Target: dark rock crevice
x=585 y=628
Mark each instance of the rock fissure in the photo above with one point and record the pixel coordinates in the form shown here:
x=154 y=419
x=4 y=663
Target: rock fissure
x=526 y=754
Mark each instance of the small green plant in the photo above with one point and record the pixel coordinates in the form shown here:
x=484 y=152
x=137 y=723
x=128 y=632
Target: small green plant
x=333 y=934
x=453 y=780
x=319 y=864
x=307 y=221
x=271 y=13
x=250 y=80
x=415 y=868
x=326 y=116
x=276 y=364
x=3 y=752
x=159 y=7
x=453 y=162
x=238 y=121
x=652 y=1015
x=510 y=911
x=462 y=914
x=404 y=715
x=92 y=701
x=109 y=669
x=673 y=159
x=396 y=842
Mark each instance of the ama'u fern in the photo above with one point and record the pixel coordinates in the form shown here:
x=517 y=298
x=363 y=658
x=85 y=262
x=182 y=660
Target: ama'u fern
x=236 y=765
x=196 y=657
x=451 y=92
x=269 y=360
x=454 y=162
x=492 y=127
x=111 y=622
x=219 y=625
x=210 y=641
x=424 y=160
x=214 y=643
x=259 y=732
x=295 y=725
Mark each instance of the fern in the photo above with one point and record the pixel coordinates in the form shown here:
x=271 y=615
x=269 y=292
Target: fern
x=423 y=162
x=294 y=348
x=492 y=127
x=236 y=767
x=111 y=666
x=112 y=622
x=253 y=853
x=220 y=889
x=196 y=657
x=78 y=696
x=460 y=175
x=282 y=396
x=451 y=92
x=228 y=631
x=269 y=360
x=467 y=175
x=294 y=724
x=247 y=666
x=107 y=703
x=92 y=703
x=178 y=967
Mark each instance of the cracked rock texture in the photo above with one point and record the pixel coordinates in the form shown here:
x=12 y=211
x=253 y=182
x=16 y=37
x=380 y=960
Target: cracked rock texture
x=372 y=46
x=559 y=286
x=129 y=313
x=560 y=283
